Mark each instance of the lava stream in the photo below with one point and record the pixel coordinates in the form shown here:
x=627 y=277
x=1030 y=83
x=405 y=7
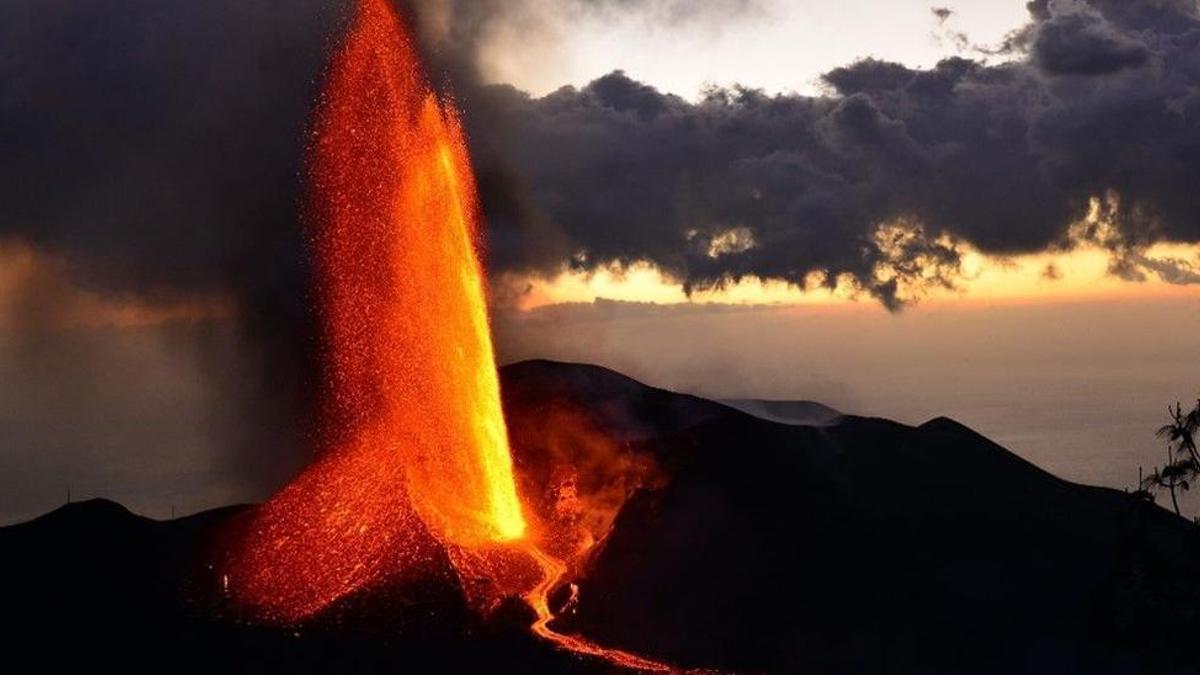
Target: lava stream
x=553 y=571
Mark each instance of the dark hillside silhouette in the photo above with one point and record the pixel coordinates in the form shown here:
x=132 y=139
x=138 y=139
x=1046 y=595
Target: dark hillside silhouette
x=862 y=546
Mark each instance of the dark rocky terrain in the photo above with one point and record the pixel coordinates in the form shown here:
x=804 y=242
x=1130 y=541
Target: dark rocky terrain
x=857 y=546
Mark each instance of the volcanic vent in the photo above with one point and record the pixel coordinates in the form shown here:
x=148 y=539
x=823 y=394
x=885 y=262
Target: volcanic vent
x=415 y=462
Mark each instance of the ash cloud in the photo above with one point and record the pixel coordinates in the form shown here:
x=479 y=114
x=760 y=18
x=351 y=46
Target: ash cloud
x=156 y=148
x=159 y=144
x=1100 y=97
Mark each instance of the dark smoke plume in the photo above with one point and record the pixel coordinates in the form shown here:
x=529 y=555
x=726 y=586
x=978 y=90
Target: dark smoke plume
x=882 y=180
x=157 y=148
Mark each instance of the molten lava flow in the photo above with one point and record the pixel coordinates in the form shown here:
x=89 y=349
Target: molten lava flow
x=575 y=478
x=416 y=467
x=415 y=441
x=538 y=598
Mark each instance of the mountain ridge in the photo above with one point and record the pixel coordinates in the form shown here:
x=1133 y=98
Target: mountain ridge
x=860 y=546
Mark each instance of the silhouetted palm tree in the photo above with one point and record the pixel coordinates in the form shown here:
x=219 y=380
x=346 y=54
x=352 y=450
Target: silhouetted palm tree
x=1183 y=459
x=1173 y=477
x=1181 y=432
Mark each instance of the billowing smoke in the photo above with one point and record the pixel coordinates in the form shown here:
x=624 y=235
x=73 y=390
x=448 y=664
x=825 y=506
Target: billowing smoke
x=883 y=180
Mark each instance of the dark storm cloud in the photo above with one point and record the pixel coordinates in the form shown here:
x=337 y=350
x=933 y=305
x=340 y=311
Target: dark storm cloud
x=159 y=143
x=883 y=179
x=1084 y=43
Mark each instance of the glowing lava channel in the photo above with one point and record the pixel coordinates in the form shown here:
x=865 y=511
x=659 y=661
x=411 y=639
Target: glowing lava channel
x=539 y=599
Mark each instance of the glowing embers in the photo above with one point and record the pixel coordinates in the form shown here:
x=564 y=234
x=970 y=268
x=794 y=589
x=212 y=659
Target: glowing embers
x=400 y=286
x=575 y=479
x=415 y=477
x=329 y=534
x=413 y=432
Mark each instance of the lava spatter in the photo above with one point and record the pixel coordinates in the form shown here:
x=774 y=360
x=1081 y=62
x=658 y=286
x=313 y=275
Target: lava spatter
x=410 y=415
x=415 y=465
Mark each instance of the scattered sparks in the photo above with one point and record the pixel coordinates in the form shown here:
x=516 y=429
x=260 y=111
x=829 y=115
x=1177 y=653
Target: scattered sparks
x=414 y=432
x=416 y=466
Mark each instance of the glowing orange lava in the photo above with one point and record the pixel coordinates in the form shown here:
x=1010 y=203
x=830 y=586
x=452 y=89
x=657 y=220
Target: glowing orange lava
x=411 y=418
x=412 y=366
x=415 y=464
x=538 y=598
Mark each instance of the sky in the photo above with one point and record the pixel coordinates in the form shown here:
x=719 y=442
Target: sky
x=776 y=45
x=979 y=209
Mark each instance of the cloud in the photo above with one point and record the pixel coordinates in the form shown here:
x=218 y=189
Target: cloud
x=479 y=36
x=1084 y=43
x=179 y=127
x=155 y=151
x=1101 y=98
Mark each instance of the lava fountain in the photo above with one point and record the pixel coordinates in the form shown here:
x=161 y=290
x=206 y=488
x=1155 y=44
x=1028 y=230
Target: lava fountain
x=413 y=434
x=415 y=460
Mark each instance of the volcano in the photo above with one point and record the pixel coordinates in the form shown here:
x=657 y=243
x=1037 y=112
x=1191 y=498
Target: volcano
x=737 y=544
x=561 y=517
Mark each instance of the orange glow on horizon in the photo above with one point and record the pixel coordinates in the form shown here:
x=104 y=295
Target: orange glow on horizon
x=1081 y=274
x=63 y=305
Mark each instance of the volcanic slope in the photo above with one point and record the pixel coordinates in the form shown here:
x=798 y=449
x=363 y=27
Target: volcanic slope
x=725 y=541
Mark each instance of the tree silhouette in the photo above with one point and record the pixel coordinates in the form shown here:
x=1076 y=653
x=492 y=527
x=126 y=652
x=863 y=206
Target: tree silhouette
x=1183 y=459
